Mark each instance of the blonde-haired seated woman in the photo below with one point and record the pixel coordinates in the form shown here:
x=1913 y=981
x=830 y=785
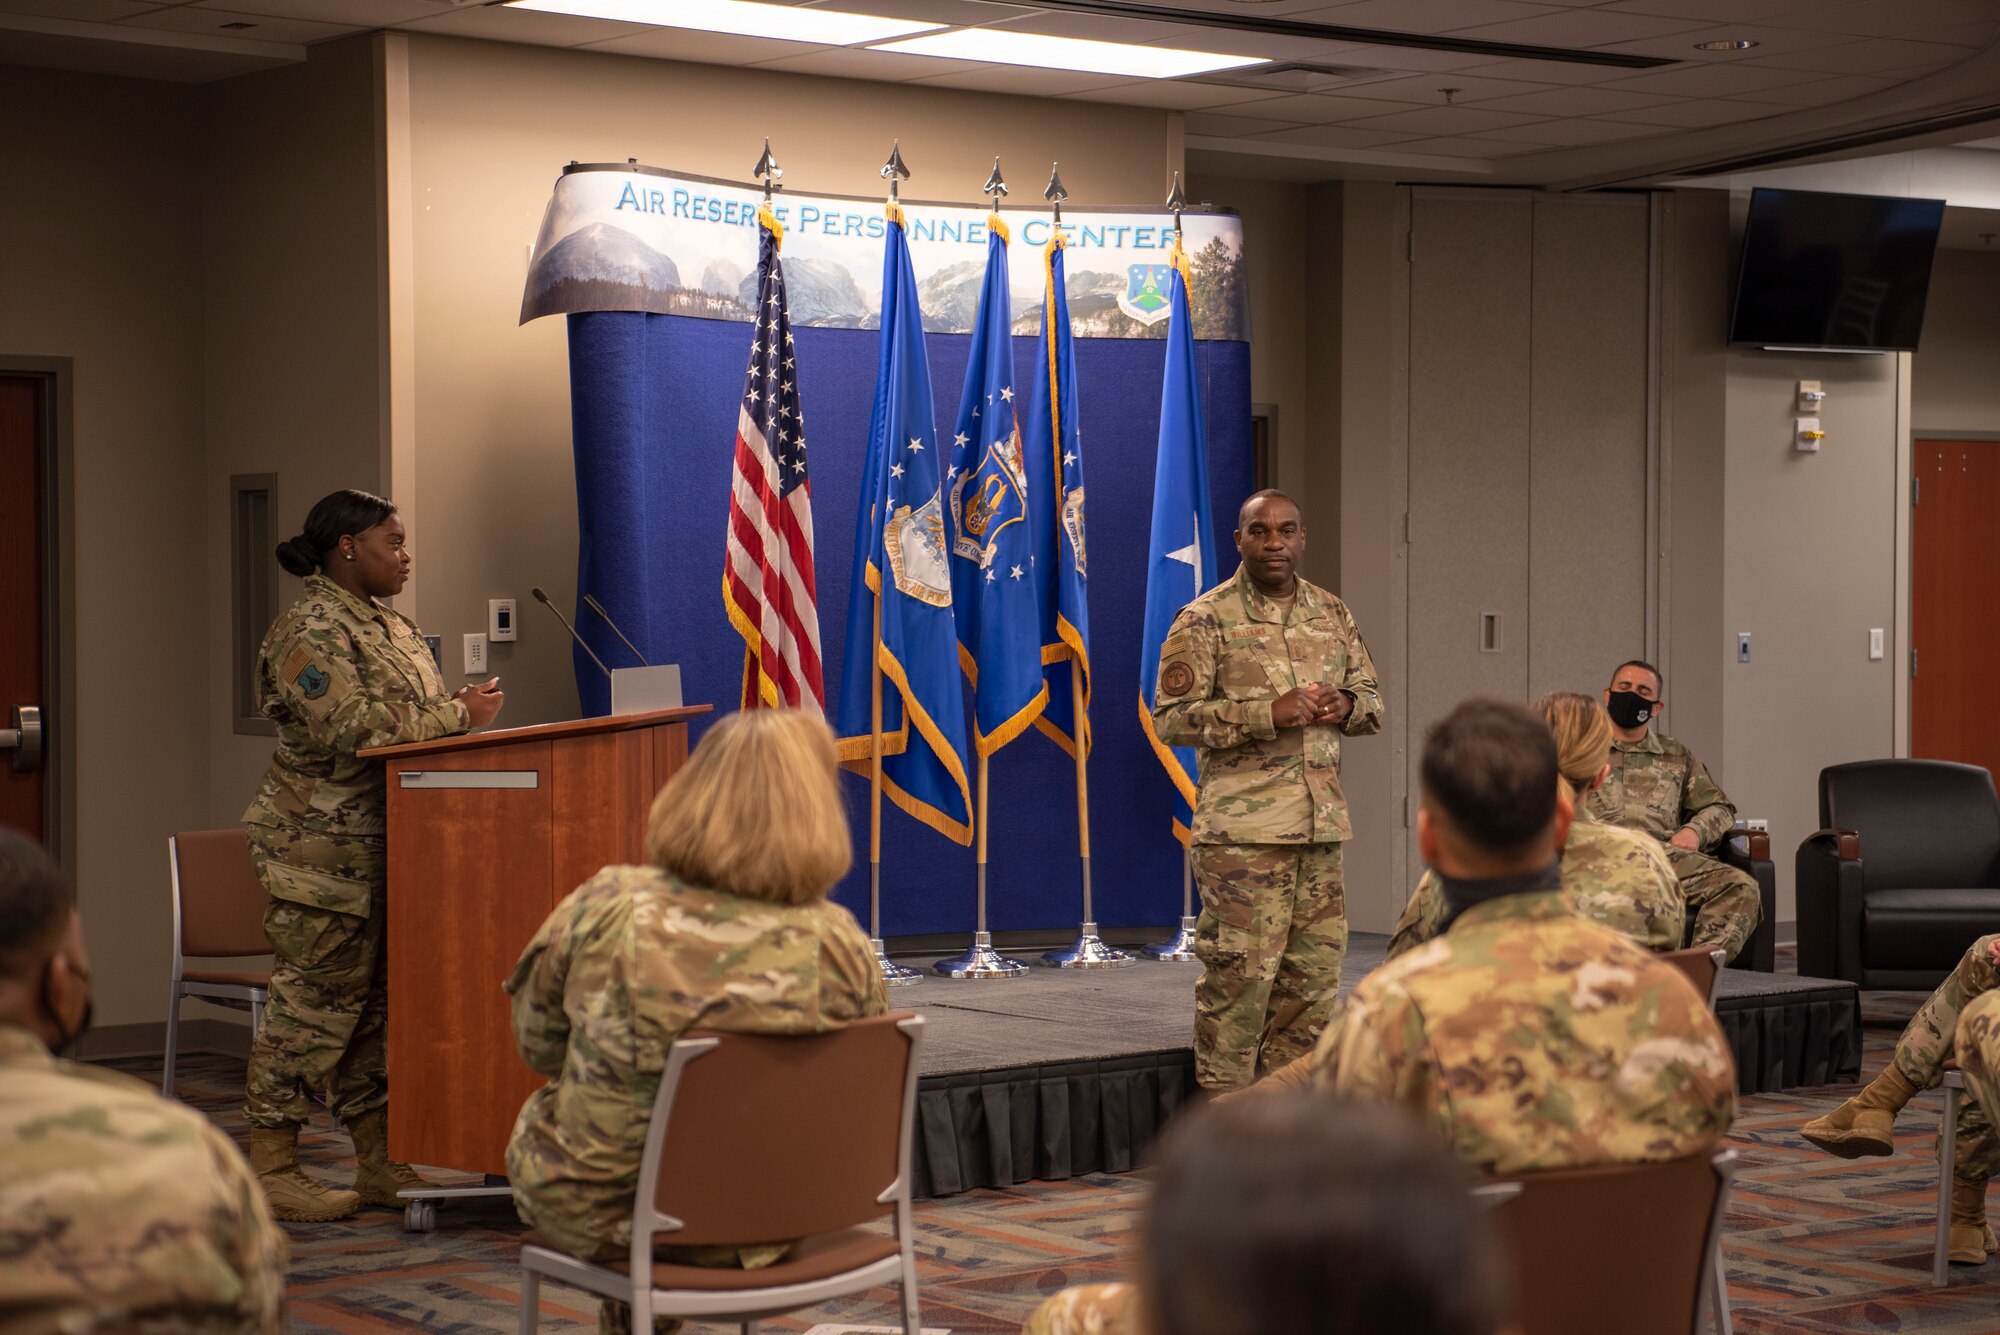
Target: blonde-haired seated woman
x=729 y=929
x=1618 y=877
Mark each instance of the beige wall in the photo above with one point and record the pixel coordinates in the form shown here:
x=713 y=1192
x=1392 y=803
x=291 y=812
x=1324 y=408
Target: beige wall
x=102 y=215
x=490 y=127
x=1956 y=369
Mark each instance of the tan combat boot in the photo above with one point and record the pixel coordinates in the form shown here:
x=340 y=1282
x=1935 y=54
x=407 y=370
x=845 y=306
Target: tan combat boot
x=1971 y=1236
x=1866 y=1123
x=289 y=1190
x=378 y=1177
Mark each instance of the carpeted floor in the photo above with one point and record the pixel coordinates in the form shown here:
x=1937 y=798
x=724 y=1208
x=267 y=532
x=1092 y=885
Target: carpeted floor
x=1814 y=1244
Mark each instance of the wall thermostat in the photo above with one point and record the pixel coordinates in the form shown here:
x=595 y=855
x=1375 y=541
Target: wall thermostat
x=500 y=619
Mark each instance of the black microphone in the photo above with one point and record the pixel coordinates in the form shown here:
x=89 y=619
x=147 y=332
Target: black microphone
x=543 y=599
x=598 y=608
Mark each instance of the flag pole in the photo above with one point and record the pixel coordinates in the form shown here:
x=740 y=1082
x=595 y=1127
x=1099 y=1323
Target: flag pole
x=893 y=974
x=1180 y=946
x=982 y=960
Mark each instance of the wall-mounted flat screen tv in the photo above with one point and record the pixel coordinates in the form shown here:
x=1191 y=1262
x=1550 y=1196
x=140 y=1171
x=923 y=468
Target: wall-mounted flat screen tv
x=1841 y=272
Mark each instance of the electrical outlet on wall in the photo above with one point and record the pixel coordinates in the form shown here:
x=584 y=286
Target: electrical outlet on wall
x=1757 y=826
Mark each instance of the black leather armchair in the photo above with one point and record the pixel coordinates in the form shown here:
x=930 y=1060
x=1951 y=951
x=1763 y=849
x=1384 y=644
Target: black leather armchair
x=1903 y=874
x=1750 y=853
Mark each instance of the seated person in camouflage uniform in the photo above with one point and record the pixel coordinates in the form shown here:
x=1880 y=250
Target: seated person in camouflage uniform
x=1298 y=1215
x=119 y=1210
x=730 y=929
x=1977 y=1040
x=1614 y=876
x=1656 y=786
x=1526 y=1036
x=1865 y=1124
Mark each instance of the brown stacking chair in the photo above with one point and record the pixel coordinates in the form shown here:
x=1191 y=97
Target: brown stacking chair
x=756 y=1138
x=1703 y=967
x=218 y=914
x=1622 y=1247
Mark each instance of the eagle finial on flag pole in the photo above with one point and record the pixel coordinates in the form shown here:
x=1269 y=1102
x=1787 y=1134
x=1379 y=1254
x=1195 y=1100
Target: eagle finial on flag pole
x=768 y=170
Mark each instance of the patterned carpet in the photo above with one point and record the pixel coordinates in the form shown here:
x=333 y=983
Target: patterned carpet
x=1814 y=1244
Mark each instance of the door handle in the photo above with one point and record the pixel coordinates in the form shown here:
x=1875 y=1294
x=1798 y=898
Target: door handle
x=24 y=739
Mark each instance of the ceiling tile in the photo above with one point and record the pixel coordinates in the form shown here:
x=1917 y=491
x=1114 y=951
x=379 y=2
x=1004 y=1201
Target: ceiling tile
x=209 y=23
x=1171 y=94
x=1869 y=55
x=1902 y=18
x=1316 y=109
x=1699 y=114
x=1821 y=92
x=1428 y=15
x=706 y=48
x=1747 y=11
x=1550 y=71
x=1770 y=42
x=1577 y=28
x=1467 y=148
x=500 y=24
x=1015 y=79
x=964 y=12
x=1429 y=88
x=82 y=11
x=1585 y=101
x=1569 y=133
x=1417 y=60
x=851 y=62
x=1336 y=136
x=1718 y=80
x=1289 y=9
x=1228 y=126
x=1446 y=120
x=350 y=13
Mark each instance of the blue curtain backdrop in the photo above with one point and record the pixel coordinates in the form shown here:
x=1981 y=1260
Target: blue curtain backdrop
x=653 y=407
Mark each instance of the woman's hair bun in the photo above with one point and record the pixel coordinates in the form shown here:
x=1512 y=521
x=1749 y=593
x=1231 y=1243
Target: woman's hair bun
x=297 y=556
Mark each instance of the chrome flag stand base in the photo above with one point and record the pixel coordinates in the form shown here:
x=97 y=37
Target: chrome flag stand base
x=1088 y=951
x=982 y=961
x=1180 y=946
x=893 y=974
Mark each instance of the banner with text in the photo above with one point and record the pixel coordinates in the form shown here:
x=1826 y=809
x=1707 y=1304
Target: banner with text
x=638 y=239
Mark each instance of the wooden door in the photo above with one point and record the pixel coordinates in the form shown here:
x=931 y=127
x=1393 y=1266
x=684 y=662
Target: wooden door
x=22 y=429
x=1955 y=587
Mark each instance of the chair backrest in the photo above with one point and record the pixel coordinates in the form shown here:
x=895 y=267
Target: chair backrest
x=218 y=900
x=1924 y=824
x=1622 y=1247
x=1702 y=965
x=762 y=1137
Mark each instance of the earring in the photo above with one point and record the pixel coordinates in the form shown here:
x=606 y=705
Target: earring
x=350 y=556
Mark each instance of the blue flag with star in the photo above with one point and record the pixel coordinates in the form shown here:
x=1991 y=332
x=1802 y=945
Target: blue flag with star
x=992 y=547
x=901 y=556
x=1180 y=562
x=1054 y=453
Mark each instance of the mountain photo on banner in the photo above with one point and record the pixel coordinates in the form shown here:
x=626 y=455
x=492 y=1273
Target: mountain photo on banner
x=1053 y=445
x=902 y=566
x=994 y=592
x=1180 y=558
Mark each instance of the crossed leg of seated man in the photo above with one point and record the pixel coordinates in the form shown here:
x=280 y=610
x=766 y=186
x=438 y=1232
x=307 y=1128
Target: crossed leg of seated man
x=1961 y=1018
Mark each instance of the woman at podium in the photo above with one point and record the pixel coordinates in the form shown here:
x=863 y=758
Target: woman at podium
x=730 y=929
x=338 y=671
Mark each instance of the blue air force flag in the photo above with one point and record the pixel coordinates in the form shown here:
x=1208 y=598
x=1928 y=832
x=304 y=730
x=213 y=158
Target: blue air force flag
x=1180 y=563
x=992 y=547
x=900 y=556
x=1054 y=452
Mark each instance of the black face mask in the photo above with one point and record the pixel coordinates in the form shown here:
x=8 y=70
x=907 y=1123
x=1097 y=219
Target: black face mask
x=1629 y=709
x=1462 y=895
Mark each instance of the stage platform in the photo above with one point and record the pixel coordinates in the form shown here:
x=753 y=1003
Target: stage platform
x=1058 y=1073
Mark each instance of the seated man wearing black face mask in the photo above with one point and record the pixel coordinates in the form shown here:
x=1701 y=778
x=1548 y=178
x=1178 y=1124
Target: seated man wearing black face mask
x=122 y=1210
x=1657 y=786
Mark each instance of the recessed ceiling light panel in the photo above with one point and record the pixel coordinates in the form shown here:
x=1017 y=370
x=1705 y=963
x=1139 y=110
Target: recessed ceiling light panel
x=790 y=23
x=998 y=46
x=1727 y=44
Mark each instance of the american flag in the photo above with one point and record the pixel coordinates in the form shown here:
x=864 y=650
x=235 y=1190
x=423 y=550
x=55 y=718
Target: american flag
x=767 y=577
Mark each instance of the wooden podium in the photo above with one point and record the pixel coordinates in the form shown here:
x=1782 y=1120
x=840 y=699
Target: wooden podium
x=487 y=833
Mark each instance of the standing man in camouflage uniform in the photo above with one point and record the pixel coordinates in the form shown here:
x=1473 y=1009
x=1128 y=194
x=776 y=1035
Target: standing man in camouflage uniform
x=1261 y=675
x=1656 y=786
x=1525 y=1036
x=338 y=672
x=119 y=1210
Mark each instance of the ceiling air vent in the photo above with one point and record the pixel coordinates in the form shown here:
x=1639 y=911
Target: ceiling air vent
x=1297 y=76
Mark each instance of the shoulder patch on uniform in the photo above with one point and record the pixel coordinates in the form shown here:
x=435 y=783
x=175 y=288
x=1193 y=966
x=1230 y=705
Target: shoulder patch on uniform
x=313 y=682
x=301 y=669
x=1178 y=679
